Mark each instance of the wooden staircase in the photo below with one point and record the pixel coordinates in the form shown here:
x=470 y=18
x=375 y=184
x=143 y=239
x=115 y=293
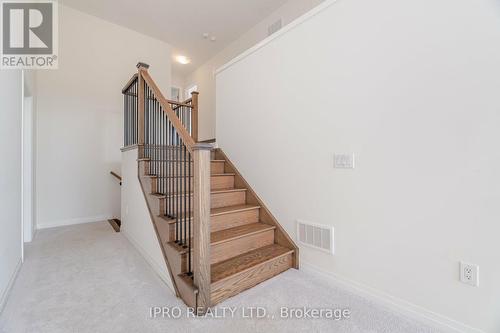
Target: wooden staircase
x=226 y=241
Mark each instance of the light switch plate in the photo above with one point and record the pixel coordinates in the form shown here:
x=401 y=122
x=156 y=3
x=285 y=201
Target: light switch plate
x=344 y=161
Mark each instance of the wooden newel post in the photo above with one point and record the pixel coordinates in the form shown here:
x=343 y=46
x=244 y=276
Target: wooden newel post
x=141 y=67
x=194 y=98
x=201 y=255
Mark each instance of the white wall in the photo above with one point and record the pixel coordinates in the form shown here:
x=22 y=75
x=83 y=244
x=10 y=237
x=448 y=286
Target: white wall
x=204 y=76
x=178 y=82
x=11 y=97
x=80 y=111
x=411 y=87
x=136 y=221
x=29 y=153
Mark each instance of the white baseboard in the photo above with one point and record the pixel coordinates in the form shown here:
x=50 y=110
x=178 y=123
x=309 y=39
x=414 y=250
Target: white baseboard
x=157 y=268
x=6 y=292
x=393 y=303
x=80 y=220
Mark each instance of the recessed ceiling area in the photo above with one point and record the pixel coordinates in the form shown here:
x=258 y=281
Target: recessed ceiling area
x=183 y=23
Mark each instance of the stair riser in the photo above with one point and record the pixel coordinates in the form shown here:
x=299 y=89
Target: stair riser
x=221 y=182
x=216 y=183
x=227 y=250
x=233 y=248
x=228 y=199
x=217 y=200
x=222 y=222
x=232 y=220
x=216 y=167
x=234 y=285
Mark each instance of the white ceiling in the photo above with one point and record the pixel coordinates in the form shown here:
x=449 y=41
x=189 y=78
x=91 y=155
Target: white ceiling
x=181 y=23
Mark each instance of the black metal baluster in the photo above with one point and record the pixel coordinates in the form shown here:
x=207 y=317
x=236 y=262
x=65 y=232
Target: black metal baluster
x=172 y=168
x=153 y=128
x=179 y=212
x=157 y=138
x=129 y=125
x=125 y=143
x=150 y=132
x=164 y=139
x=153 y=131
x=134 y=120
x=134 y=125
x=164 y=148
x=136 y=115
x=191 y=217
x=146 y=130
x=162 y=153
x=157 y=146
x=130 y=116
x=169 y=169
x=186 y=235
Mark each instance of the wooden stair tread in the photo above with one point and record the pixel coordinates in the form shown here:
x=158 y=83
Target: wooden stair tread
x=231 y=209
x=227 y=235
x=214 y=211
x=246 y=261
x=229 y=190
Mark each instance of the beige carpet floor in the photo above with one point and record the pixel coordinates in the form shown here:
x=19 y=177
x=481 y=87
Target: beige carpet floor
x=87 y=278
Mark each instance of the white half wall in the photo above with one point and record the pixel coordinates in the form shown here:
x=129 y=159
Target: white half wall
x=136 y=221
x=80 y=111
x=11 y=99
x=412 y=89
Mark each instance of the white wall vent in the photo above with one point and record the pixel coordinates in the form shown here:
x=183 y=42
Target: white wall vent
x=274 y=27
x=314 y=235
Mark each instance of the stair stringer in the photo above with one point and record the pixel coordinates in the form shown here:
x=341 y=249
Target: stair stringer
x=281 y=237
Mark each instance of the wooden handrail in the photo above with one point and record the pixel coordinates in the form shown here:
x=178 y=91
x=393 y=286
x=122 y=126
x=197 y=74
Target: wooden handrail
x=181 y=130
x=187 y=102
x=117 y=176
x=179 y=104
x=129 y=83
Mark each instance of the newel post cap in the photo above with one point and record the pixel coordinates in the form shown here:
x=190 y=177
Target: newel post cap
x=142 y=65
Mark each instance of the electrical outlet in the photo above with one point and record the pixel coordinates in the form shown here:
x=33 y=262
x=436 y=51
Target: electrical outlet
x=469 y=274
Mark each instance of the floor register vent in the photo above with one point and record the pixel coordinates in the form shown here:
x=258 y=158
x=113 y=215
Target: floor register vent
x=316 y=236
